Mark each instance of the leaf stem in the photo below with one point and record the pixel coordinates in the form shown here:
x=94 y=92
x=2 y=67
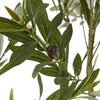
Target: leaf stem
x=84 y=33
x=60 y=7
x=36 y=37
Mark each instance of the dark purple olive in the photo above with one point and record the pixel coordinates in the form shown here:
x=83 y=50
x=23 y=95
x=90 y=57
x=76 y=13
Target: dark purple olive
x=52 y=52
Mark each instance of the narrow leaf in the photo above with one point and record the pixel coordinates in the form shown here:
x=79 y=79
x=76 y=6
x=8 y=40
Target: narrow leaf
x=80 y=86
x=77 y=65
x=18 y=10
x=38 y=68
x=85 y=10
x=97 y=18
x=1 y=63
x=19 y=36
x=86 y=81
x=29 y=11
x=91 y=86
x=40 y=84
x=39 y=11
x=10 y=22
x=87 y=97
x=19 y=56
x=55 y=23
x=11 y=43
x=25 y=12
x=13 y=14
x=11 y=95
x=40 y=55
x=54 y=96
x=93 y=76
x=43 y=25
x=64 y=85
x=49 y=71
x=54 y=8
x=70 y=90
x=7 y=25
x=67 y=36
x=55 y=39
x=43 y=21
x=95 y=93
x=60 y=80
x=22 y=53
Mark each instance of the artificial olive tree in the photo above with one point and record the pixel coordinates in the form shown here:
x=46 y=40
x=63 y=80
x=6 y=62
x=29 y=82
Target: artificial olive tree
x=52 y=52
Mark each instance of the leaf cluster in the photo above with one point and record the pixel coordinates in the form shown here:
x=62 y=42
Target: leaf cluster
x=35 y=49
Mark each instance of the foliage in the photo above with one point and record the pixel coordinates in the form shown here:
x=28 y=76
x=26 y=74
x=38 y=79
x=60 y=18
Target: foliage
x=35 y=49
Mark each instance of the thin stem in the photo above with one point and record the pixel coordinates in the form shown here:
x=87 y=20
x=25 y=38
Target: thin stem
x=94 y=52
x=60 y=8
x=84 y=57
x=54 y=4
x=74 y=8
x=39 y=40
x=84 y=33
x=66 y=57
x=36 y=37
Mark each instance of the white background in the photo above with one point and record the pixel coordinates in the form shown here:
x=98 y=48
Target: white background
x=20 y=77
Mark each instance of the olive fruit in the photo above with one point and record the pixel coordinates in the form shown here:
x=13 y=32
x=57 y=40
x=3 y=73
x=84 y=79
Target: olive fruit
x=52 y=52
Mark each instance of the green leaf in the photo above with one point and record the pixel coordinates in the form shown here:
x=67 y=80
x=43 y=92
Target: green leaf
x=22 y=53
x=77 y=65
x=19 y=36
x=43 y=22
x=11 y=43
x=87 y=97
x=29 y=11
x=49 y=71
x=1 y=63
x=18 y=10
x=40 y=84
x=13 y=14
x=7 y=25
x=64 y=25
x=19 y=56
x=85 y=10
x=97 y=18
x=40 y=10
x=1 y=43
x=11 y=95
x=64 y=82
x=26 y=17
x=55 y=23
x=86 y=81
x=38 y=68
x=60 y=80
x=70 y=90
x=55 y=5
x=43 y=26
x=93 y=76
x=80 y=86
x=54 y=96
x=91 y=86
x=77 y=8
x=95 y=93
x=40 y=56
x=55 y=39
x=54 y=8
x=67 y=36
